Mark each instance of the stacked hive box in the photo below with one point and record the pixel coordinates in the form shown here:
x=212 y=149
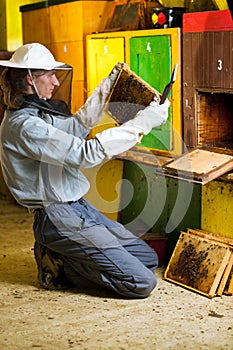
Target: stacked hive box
x=207 y=104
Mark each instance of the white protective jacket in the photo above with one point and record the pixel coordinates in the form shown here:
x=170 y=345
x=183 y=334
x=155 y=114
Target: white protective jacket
x=41 y=154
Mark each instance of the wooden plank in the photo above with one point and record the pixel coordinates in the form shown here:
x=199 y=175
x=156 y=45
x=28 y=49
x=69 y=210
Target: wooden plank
x=211 y=235
x=227 y=54
x=36 y=19
x=143 y=157
x=198 y=263
x=189 y=79
x=225 y=276
x=229 y=286
x=220 y=274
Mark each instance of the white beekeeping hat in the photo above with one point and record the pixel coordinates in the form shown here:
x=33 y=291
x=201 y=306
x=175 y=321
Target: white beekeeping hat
x=33 y=56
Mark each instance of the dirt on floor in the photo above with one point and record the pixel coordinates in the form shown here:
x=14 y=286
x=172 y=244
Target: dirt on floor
x=172 y=317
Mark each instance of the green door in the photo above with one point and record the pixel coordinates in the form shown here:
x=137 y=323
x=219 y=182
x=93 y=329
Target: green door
x=150 y=58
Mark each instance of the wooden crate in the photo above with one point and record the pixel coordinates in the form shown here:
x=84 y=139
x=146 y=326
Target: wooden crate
x=73 y=20
x=202 y=262
x=71 y=53
x=36 y=16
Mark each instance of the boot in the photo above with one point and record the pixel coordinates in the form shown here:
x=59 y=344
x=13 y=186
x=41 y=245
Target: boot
x=50 y=268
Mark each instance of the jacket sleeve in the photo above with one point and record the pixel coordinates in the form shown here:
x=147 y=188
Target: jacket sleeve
x=119 y=139
x=91 y=112
x=40 y=141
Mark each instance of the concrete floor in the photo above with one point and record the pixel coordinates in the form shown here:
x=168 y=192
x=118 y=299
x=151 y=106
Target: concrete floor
x=93 y=319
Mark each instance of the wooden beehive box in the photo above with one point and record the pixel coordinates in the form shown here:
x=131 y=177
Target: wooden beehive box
x=202 y=262
x=207 y=79
x=129 y=95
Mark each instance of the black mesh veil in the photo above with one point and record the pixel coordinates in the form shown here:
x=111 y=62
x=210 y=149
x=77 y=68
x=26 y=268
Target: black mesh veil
x=60 y=102
x=64 y=90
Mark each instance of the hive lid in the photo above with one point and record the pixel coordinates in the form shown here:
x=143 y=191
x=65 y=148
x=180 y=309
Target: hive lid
x=201 y=165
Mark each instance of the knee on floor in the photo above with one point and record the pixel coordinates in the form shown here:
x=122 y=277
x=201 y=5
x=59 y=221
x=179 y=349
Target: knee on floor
x=141 y=288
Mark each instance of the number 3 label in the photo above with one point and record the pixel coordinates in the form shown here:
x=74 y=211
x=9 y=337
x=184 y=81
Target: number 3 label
x=219 y=64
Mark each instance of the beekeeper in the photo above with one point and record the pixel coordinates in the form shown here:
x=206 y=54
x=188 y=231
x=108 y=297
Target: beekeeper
x=43 y=148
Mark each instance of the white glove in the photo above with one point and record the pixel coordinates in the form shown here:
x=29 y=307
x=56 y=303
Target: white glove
x=120 y=139
x=94 y=107
x=150 y=117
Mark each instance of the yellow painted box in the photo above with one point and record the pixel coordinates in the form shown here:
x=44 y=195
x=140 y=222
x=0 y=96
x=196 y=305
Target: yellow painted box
x=217 y=207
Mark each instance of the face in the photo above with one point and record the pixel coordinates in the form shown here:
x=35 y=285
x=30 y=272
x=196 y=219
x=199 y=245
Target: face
x=45 y=83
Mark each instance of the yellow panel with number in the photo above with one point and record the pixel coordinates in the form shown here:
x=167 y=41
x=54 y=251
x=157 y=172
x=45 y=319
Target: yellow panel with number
x=102 y=55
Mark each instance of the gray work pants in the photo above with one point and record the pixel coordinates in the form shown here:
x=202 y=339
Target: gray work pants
x=97 y=248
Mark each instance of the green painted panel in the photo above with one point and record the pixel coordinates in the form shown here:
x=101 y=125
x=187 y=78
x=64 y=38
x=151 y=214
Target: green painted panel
x=150 y=58
x=152 y=203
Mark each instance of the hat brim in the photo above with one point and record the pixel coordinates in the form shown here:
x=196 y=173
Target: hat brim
x=56 y=65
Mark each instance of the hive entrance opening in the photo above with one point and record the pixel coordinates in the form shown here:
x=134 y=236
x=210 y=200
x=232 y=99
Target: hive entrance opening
x=214 y=119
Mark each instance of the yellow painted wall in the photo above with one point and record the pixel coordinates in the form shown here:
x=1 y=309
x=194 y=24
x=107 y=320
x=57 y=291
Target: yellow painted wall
x=102 y=55
x=11 y=23
x=2 y=25
x=105 y=189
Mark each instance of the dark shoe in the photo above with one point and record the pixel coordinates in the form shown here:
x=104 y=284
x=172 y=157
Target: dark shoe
x=50 y=268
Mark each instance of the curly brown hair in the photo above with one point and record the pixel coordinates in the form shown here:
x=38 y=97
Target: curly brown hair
x=14 y=86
